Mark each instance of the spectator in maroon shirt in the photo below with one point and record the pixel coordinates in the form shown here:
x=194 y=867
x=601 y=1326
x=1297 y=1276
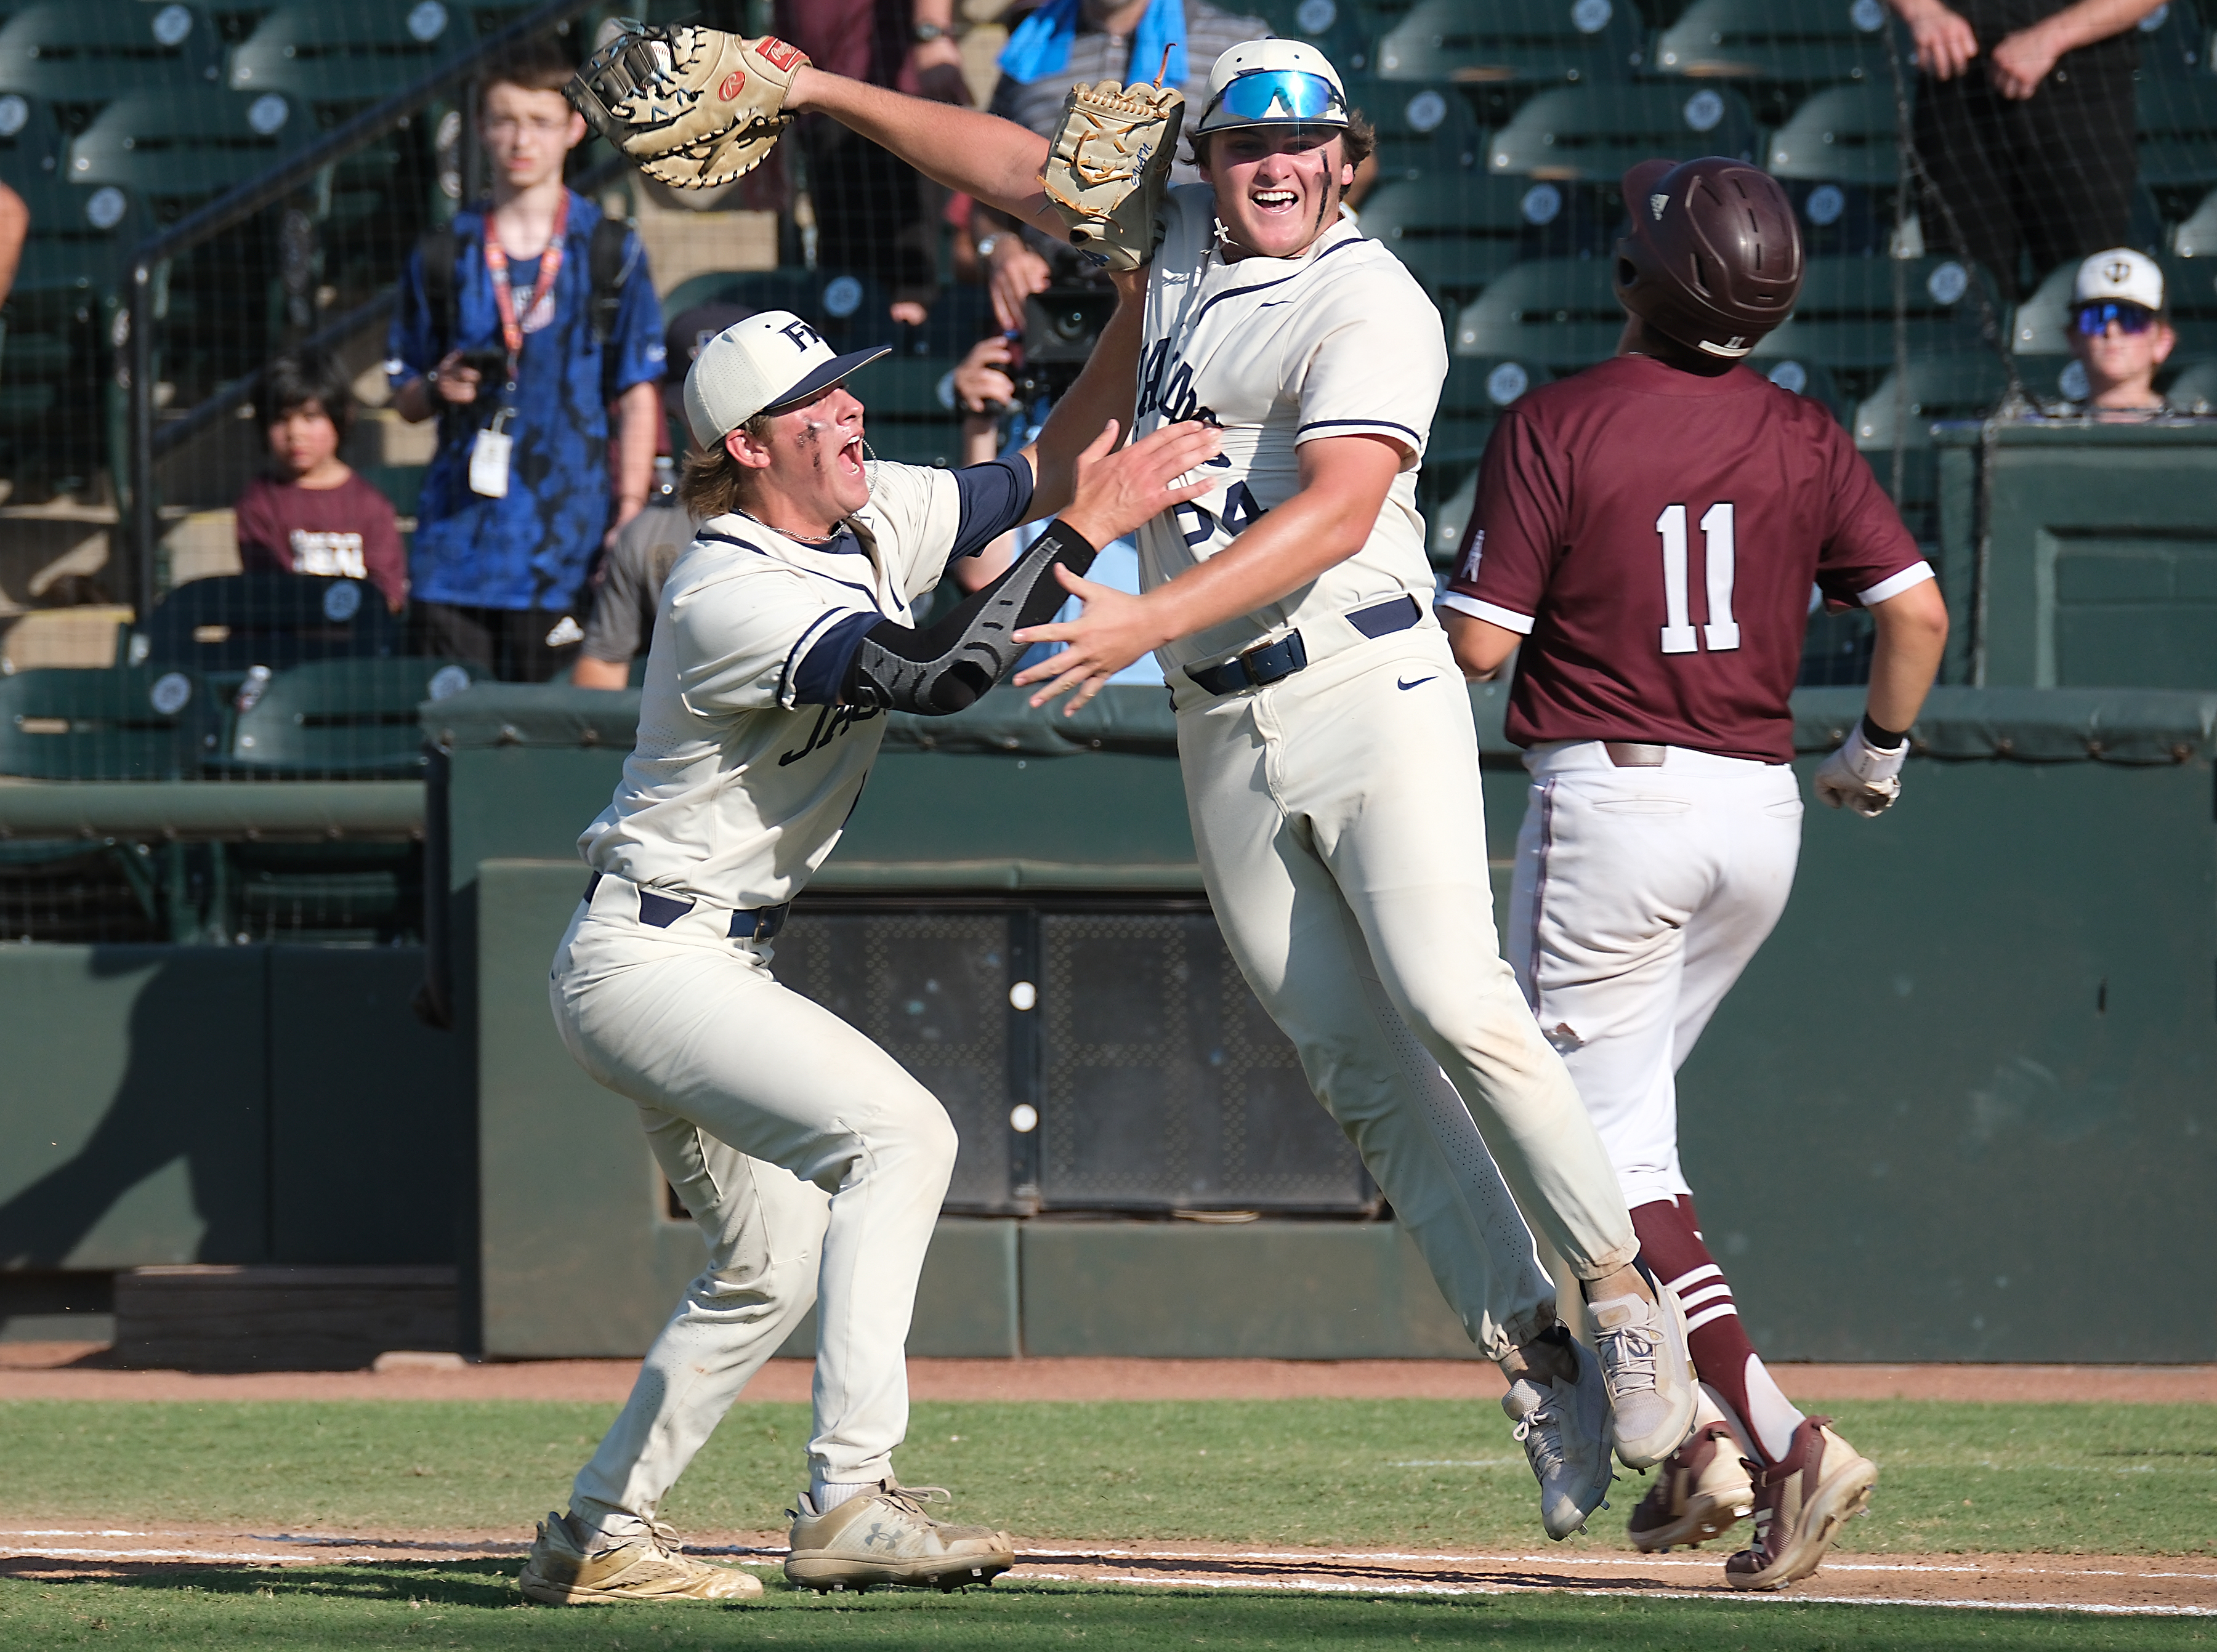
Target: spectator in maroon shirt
x=312 y=514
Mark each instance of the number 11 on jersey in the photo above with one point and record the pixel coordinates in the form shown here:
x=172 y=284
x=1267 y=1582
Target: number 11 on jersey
x=1720 y=633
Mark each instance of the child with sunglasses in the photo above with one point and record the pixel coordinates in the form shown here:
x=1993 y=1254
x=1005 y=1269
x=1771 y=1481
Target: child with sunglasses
x=2121 y=332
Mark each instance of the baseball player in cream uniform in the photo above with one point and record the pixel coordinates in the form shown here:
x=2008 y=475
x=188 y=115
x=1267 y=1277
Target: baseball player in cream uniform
x=1329 y=759
x=813 y=1164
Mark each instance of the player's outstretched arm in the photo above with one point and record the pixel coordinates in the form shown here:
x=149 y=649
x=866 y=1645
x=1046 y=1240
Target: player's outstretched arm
x=1102 y=396
x=1344 y=481
x=945 y=667
x=1865 y=773
x=977 y=154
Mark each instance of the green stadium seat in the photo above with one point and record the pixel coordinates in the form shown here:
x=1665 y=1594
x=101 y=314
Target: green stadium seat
x=1593 y=133
x=2041 y=325
x=2195 y=235
x=188 y=143
x=1444 y=522
x=224 y=625
x=1478 y=389
x=1807 y=379
x=1843 y=319
x=352 y=53
x=1962 y=385
x=1801 y=42
x=1508 y=42
x=2194 y=390
x=904 y=418
x=849 y=311
x=1838 y=156
x=1455 y=233
x=341 y=720
x=78 y=239
x=2177 y=131
x=1843 y=134
x=90 y=51
x=1330 y=26
x=2190 y=284
x=1836 y=650
x=1553 y=314
x=30 y=139
x=1422 y=130
x=133 y=723
x=2175 y=42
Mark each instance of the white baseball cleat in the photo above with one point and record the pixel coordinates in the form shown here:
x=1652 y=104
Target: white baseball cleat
x=885 y=1536
x=1564 y=1428
x=647 y=1568
x=1643 y=1360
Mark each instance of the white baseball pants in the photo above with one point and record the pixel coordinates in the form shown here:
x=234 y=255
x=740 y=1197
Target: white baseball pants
x=1639 y=896
x=813 y=1164
x=1342 y=836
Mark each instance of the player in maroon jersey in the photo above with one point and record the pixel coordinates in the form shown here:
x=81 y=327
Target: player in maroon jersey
x=1649 y=531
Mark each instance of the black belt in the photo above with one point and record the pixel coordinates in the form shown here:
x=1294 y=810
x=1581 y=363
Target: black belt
x=660 y=911
x=1269 y=663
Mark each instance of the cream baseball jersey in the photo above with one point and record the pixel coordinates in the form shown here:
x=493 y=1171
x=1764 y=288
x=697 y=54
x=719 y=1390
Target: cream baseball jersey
x=746 y=766
x=1277 y=352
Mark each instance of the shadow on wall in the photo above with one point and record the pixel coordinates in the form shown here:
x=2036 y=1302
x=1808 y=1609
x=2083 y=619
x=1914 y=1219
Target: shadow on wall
x=223 y=1104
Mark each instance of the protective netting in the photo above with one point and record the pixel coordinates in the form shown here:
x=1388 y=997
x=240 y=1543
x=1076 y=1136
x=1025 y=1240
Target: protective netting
x=272 y=167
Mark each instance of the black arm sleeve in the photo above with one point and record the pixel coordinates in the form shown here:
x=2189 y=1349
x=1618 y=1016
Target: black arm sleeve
x=937 y=672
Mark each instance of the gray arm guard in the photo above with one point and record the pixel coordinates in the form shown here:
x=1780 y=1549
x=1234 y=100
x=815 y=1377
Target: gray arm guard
x=939 y=671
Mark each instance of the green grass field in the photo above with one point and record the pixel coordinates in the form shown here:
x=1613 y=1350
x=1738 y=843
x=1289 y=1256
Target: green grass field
x=2129 y=1480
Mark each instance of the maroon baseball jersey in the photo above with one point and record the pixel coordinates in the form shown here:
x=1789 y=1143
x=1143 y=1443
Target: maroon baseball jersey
x=1654 y=534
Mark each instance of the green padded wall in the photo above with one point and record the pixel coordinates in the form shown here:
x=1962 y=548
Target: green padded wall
x=2102 y=554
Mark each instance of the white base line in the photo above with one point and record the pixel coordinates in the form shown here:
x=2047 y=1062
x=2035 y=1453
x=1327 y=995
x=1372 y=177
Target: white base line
x=1316 y=1585
x=1764 y=1598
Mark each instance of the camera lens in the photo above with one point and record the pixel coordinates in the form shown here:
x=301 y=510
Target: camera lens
x=1070 y=325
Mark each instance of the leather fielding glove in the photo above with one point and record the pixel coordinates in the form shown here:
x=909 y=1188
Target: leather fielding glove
x=1864 y=776
x=691 y=108
x=1108 y=168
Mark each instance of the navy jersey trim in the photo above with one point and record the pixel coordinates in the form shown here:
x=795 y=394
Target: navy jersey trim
x=995 y=496
x=823 y=669
x=785 y=675
x=1368 y=424
x=1264 y=286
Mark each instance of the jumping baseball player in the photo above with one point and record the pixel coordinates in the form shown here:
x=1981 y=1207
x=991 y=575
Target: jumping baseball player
x=1329 y=759
x=1649 y=532
x=812 y=1164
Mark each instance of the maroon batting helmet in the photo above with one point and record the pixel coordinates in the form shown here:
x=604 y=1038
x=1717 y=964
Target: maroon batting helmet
x=1714 y=260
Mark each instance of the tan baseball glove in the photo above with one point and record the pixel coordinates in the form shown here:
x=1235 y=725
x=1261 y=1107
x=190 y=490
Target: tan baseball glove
x=1109 y=165
x=693 y=107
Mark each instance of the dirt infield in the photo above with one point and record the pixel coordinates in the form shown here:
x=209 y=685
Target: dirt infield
x=2100 y=1584
x=84 y=1371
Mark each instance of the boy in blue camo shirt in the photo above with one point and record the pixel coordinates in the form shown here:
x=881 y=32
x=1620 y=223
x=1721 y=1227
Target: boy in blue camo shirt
x=543 y=321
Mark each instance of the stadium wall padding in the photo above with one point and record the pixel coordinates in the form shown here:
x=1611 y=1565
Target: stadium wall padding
x=2102 y=553
x=1960 y=1106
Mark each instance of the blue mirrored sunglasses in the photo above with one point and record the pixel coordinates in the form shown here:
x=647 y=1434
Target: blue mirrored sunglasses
x=1279 y=94
x=2094 y=319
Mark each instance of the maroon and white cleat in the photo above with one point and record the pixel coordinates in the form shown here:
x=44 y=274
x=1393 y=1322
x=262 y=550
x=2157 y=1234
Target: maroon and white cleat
x=1801 y=1504
x=1701 y=1491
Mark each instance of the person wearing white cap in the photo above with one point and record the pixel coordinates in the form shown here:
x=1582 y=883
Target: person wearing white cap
x=813 y=1164
x=2120 y=332
x=1330 y=757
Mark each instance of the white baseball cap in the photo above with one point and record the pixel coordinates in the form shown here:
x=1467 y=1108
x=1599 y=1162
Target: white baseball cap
x=1273 y=83
x=764 y=364
x=2121 y=273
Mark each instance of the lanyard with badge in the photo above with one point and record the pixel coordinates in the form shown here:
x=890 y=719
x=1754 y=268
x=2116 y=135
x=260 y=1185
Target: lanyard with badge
x=489 y=456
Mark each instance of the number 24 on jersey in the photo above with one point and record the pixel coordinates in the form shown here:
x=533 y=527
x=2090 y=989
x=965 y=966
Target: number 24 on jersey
x=1721 y=634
